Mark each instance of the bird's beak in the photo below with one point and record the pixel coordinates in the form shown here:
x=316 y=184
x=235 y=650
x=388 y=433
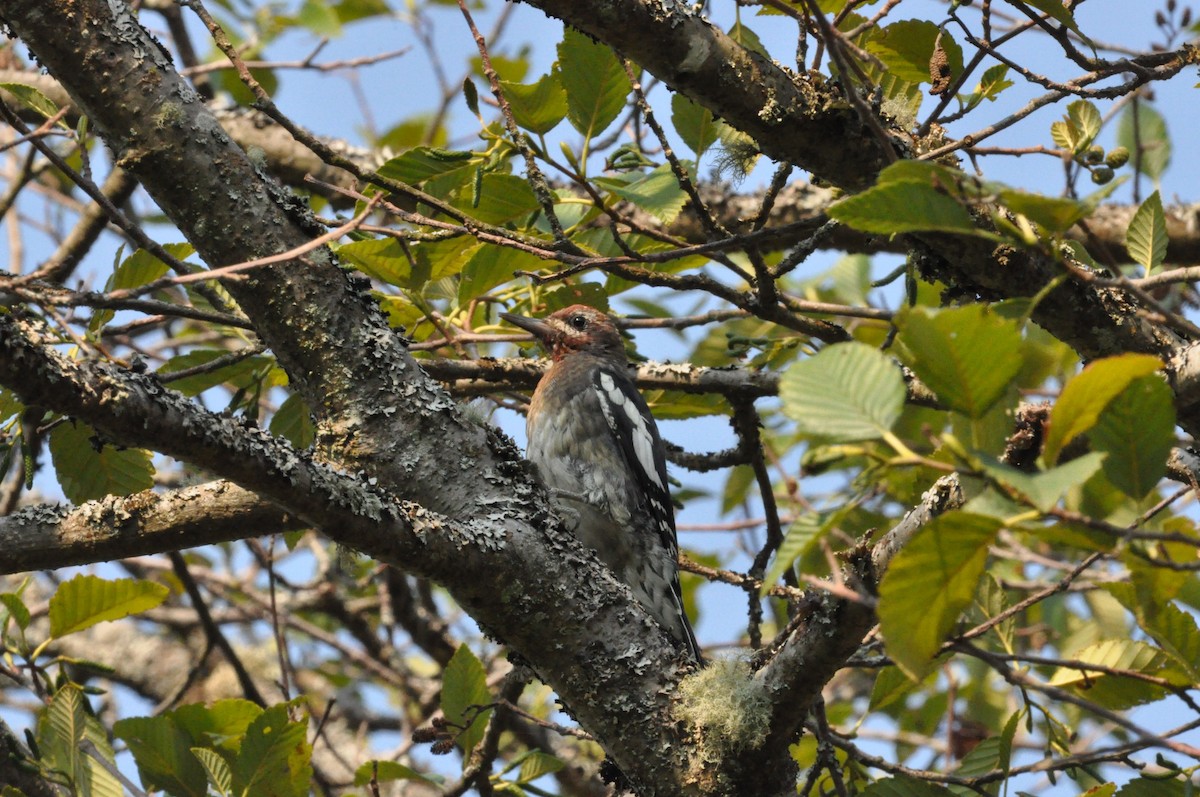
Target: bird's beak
x=536 y=326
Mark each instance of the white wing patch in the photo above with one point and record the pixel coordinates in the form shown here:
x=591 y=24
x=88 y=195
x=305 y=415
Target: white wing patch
x=611 y=396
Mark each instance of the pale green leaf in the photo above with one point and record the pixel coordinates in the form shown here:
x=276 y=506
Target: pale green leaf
x=904 y=786
x=1056 y=214
x=163 y=755
x=539 y=106
x=423 y=163
x=694 y=123
x=594 y=81
x=464 y=696
x=1113 y=690
x=1143 y=131
x=382 y=259
x=216 y=769
x=907 y=206
x=33 y=99
x=847 y=392
x=499 y=198
x=906 y=48
x=244 y=374
x=1157 y=786
x=88 y=468
x=1057 y=11
x=16 y=609
x=293 y=421
x=274 y=759
x=1137 y=431
x=1085 y=397
x=657 y=192
x=967 y=355
x=536 y=764
x=86 y=600
x=1146 y=238
x=929 y=584
x=1044 y=489
x=384 y=771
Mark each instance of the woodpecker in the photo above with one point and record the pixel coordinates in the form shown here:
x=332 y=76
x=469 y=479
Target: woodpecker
x=597 y=447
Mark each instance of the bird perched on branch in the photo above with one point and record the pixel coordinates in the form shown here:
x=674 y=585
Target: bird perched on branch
x=597 y=447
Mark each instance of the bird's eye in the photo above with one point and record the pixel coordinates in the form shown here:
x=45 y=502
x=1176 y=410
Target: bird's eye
x=579 y=322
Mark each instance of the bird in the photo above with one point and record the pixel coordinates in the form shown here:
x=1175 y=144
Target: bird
x=597 y=447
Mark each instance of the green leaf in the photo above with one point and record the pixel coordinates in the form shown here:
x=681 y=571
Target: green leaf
x=1137 y=431
x=1157 y=787
x=1110 y=690
x=216 y=769
x=17 y=609
x=1085 y=397
x=137 y=270
x=423 y=163
x=906 y=48
x=1044 y=490
x=490 y=265
x=929 y=584
x=320 y=18
x=86 y=600
x=694 y=123
x=464 y=692
x=847 y=392
x=86 y=473
x=1057 y=11
x=274 y=760
x=293 y=421
x=33 y=99
x=535 y=764
x=904 y=786
x=163 y=755
x=1146 y=237
x=1175 y=631
x=657 y=192
x=805 y=530
x=223 y=723
x=382 y=259
x=242 y=374
x=71 y=739
x=1055 y=213
x=500 y=198
x=384 y=771
x=991 y=84
x=594 y=81
x=1143 y=131
x=908 y=205
x=891 y=684
x=537 y=107
x=967 y=355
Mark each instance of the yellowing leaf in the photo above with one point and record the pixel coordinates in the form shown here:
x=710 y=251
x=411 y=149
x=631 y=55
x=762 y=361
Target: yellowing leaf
x=86 y=600
x=1085 y=397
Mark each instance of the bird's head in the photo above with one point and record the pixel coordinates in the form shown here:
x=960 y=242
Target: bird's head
x=577 y=328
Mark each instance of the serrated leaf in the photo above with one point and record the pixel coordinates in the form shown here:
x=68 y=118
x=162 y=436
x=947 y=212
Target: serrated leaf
x=1110 y=690
x=1137 y=431
x=1044 y=489
x=906 y=47
x=71 y=739
x=1086 y=395
x=993 y=82
x=1157 y=787
x=86 y=600
x=139 y=269
x=382 y=259
x=1143 y=131
x=33 y=99
x=384 y=771
x=216 y=769
x=1146 y=238
x=967 y=355
x=594 y=81
x=537 y=107
x=898 y=207
x=891 y=684
x=274 y=759
x=657 y=192
x=490 y=265
x=929 y=584
x=464 y=692
x=163 y=755
x=86 y=474
x=1175 y=631
x=1056 y=10
x=847 y=392
x=694 y=123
